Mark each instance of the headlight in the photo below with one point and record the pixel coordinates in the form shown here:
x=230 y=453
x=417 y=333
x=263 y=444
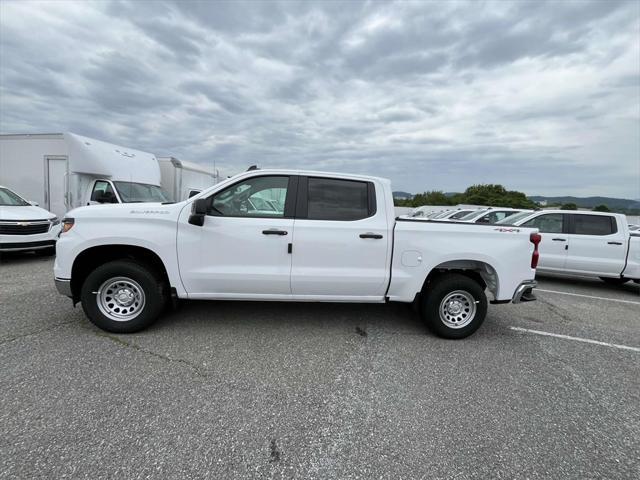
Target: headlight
x=67 y=224
x=54 y=221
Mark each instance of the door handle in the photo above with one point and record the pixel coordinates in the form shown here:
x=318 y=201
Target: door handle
x=559 y=239
x=371 y=235
x=274 y=231
x=614 y=243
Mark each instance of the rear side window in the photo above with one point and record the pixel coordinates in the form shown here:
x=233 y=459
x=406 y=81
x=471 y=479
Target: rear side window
x=334 y=199
x=549 y=223
x=593 y=225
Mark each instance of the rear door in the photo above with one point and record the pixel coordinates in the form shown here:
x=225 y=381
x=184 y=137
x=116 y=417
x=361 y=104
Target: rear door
x=596 y=245
x=555 y=240
x=340 y=241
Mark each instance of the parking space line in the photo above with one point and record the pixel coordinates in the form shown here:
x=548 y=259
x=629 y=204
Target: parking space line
x=588 y=296
x=576 y=339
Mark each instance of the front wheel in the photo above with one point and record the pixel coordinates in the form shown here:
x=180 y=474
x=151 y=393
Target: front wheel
x=615 y=280
x=122 y=297
x=453 y=306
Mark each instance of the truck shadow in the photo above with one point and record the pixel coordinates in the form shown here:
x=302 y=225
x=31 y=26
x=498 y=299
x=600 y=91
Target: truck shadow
x=364 y=320
x=596 y=285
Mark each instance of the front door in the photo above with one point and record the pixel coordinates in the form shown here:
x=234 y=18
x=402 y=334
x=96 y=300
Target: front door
x=554 y=245
x=55 y=188
x=242 y=250
x=340 y=241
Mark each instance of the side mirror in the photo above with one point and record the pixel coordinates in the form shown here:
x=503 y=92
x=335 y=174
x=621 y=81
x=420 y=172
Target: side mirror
x=31 y=202
x=198 y=212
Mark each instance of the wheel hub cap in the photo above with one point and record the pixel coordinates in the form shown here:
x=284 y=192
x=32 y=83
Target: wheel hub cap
x=120 y=299
x=457 y=309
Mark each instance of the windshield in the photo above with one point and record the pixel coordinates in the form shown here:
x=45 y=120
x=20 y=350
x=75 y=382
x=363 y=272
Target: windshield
x=441 y=214
x=473 y=214
x=512 y=219
x=460 y=214
x=10 y=199
x=139 y=192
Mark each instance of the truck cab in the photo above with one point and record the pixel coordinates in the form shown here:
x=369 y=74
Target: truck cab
x=108 y=191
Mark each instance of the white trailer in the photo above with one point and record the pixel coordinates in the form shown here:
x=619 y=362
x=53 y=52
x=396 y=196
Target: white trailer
x=62 y=171
x=181 y=180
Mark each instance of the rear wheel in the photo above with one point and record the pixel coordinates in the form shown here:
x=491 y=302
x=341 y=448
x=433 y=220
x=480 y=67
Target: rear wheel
x=615 y=280
x=453 y=306
x=122 y=297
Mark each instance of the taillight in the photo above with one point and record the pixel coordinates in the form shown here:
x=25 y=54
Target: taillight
x=67 y=224
x=535 y=238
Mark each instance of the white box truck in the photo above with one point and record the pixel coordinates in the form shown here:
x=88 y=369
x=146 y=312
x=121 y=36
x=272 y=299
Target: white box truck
x=61 y=171
x=181 y=180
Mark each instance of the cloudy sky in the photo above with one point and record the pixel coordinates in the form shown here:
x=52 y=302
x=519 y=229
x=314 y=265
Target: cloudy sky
x=541 y=97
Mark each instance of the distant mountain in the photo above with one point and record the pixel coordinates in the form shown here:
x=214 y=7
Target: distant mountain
x=589 y=202
x=403 y=195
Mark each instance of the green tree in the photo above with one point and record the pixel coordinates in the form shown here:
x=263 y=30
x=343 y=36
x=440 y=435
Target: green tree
x=488 y=194
x=569 y=206
x=428 y=198
x=601 y=208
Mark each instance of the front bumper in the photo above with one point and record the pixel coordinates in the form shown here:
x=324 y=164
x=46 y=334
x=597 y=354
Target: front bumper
x=63 y=285
x=23 y=243
x=524 y=292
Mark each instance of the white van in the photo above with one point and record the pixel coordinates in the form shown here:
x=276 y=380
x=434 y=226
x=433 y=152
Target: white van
x=62 y=171
x=181 y=180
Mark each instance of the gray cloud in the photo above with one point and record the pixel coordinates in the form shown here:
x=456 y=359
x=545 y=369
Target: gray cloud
x=540 y=96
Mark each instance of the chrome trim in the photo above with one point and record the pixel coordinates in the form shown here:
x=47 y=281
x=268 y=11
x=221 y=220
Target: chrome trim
x=25 y=249
x=63 y=285
x=522 y=288
x=24 y=222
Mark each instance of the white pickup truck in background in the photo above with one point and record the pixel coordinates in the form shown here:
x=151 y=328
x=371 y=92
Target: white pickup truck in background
x=329 y=237
x=584 y=243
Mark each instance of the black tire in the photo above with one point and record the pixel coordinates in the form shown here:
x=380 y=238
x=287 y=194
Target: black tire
x=150 y=284
x=46 y=252
x=439 y=289
x=615 y=280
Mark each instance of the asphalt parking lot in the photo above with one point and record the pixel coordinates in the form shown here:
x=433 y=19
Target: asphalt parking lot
x=273 y=390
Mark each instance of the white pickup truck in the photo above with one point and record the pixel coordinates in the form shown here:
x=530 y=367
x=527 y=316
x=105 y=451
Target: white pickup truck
x=331 y=237
x=584 y=243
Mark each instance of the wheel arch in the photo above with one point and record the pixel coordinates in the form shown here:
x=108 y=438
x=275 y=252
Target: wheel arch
x=91 y=258
x=481 y=272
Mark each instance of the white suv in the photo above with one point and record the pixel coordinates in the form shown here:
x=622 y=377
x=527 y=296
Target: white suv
x=25 y=226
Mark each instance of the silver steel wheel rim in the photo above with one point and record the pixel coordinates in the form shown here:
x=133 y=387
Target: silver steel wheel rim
x=120 y=299
x=457 y=309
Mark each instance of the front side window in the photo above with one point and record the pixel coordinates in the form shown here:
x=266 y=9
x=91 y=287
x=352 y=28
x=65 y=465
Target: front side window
x=334 y=199
x=193 y=193
x=103 y=193
x=10 y=199
x=594 y=225
x=549 y=223
x=255 y=197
